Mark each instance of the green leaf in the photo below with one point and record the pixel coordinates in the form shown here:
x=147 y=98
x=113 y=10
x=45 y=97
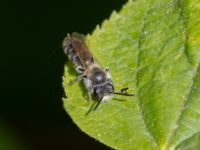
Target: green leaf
x=152 y=47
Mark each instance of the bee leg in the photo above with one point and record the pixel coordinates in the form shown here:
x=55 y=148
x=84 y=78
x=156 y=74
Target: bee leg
x=89 y=96
x=80 y=69
x=106 y=69
x=107 y=72
x=78 y=79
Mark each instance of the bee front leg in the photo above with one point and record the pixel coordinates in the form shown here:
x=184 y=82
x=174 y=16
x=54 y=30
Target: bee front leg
x=89 y=96
x=88 y=85
x=80 y=69
x=78 y=79
x=106 y=69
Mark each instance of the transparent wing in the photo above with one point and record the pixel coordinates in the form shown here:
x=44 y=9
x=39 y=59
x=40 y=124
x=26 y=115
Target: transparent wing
x=78 y=42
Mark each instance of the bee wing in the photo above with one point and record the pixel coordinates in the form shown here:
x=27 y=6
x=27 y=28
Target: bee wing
x=83 y=52
x=79 y=36
x=82 y=38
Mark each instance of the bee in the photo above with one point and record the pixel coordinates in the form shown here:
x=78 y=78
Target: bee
x=97 y=80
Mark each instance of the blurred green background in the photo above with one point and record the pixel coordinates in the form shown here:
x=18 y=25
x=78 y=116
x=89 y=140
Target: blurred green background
x=31 y=67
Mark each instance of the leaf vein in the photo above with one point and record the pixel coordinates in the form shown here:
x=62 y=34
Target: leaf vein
x=194 y=134
x=190 y=87
x=184 y=19
x=187 y=98
x=152 y=138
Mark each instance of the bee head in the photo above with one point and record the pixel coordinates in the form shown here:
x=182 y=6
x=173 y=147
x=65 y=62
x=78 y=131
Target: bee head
x=104 y=91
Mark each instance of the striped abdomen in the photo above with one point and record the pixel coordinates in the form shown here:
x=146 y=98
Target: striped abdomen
x=71 y=53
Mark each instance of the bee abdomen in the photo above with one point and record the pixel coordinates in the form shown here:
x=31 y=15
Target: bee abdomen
x=70 y=51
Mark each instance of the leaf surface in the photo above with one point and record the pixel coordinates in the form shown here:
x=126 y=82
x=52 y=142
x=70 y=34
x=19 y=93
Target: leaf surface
x=152 y=47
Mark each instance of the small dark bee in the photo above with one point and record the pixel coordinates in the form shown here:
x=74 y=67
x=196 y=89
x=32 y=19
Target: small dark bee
x=97 y=80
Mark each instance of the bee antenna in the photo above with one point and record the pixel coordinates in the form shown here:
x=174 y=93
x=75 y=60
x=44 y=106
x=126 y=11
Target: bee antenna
x=97 y=105
x=93 y=107
x=90 y=109
x=124 y=92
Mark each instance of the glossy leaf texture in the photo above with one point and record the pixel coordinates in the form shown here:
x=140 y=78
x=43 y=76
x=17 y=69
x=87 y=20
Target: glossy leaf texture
x=152 y=47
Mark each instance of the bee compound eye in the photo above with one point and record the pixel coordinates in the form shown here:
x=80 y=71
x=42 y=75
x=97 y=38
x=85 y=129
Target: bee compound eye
x=110 y=89
x=98 y=92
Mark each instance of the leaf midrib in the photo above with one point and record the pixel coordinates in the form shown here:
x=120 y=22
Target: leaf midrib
x=151 y=136
x=190 y=87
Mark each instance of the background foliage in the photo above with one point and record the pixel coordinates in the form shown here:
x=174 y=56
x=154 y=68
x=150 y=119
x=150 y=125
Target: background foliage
x=31 y=69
